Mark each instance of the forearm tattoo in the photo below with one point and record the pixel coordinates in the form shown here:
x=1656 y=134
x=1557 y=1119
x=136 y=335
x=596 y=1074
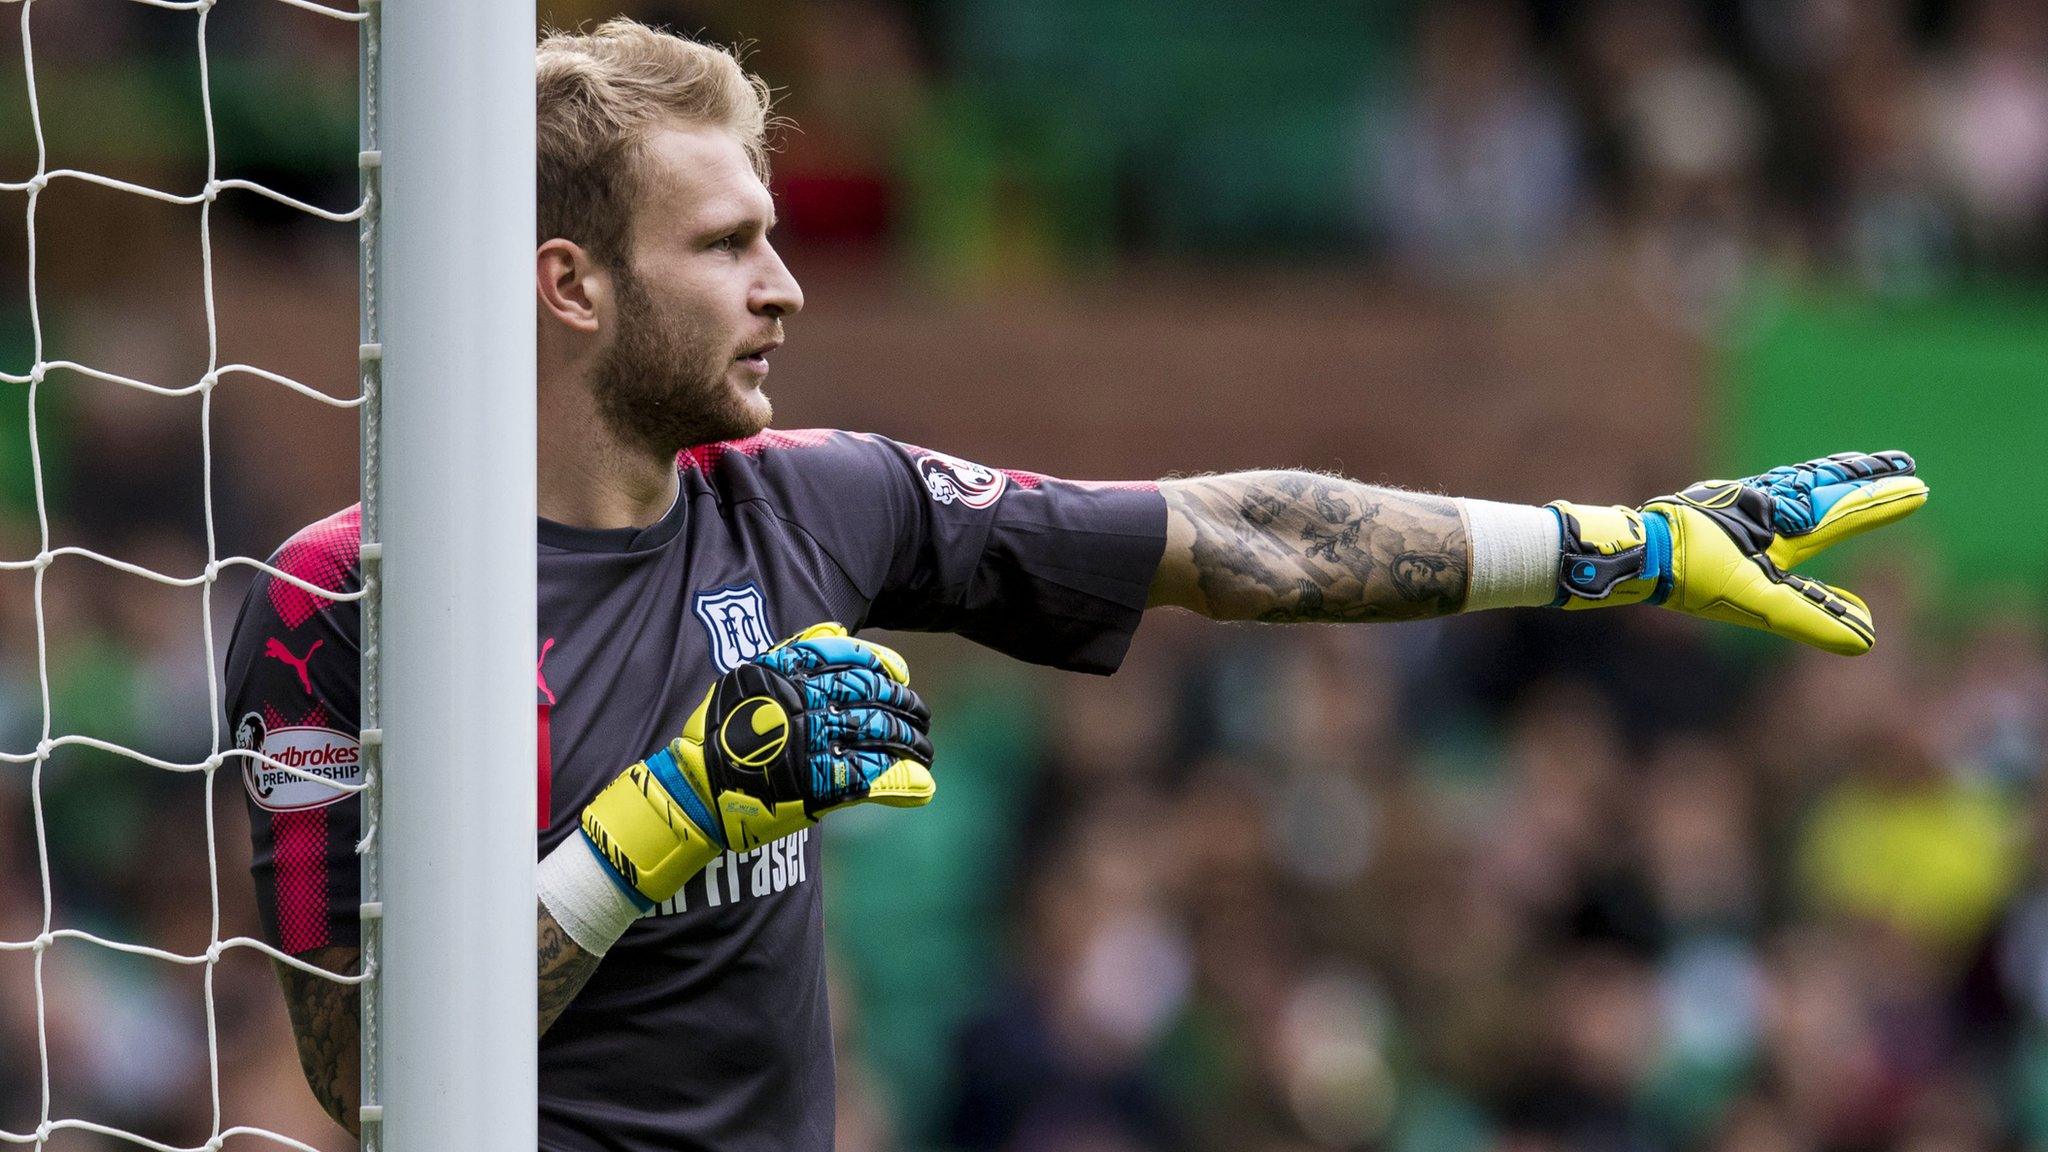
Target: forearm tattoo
x=1298 y=546
x=564 y=968
x=325 y=1017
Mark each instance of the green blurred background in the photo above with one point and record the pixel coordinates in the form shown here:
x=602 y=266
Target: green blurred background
x=1514 y=882
x=1961 y=377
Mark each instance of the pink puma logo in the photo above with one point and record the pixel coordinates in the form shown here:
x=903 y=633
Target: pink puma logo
x=275 y=649
x=540 y=677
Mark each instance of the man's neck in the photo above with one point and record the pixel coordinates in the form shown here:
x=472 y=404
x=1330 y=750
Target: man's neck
x=587 y=477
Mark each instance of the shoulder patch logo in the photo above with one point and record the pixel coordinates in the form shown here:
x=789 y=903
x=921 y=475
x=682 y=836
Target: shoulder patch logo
x=321 y=752
x=951 y=480
x=737 y=622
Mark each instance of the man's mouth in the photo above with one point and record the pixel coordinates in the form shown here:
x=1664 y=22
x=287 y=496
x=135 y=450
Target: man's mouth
x=756 y=357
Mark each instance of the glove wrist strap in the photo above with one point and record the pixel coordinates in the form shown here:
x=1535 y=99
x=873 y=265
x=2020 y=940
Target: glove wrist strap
x=663 y=765
x=1613 y=556
x=1657 y=554
x=1515 y=551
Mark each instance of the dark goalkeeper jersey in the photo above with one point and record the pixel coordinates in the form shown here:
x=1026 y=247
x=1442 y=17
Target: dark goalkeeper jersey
x=705 y=1027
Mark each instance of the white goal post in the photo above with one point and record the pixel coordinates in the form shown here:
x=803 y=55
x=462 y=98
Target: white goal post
x=448 y=785
x=448 y=553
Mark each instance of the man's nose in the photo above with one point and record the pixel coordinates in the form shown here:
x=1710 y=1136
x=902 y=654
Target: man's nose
x=776 y=293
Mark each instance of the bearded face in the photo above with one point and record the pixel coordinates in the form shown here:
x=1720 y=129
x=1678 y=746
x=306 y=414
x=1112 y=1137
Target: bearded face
x=667 y=380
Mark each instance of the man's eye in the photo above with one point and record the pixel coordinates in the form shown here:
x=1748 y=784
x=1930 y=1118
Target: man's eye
x=728 y=243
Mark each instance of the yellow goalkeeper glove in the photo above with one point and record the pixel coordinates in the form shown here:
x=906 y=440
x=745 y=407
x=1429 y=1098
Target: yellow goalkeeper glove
x=819 y=722
x=1725 y=549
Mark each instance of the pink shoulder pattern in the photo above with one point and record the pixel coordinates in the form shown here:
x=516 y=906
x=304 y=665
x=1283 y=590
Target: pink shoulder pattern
x=705 y=457
x=322 y=554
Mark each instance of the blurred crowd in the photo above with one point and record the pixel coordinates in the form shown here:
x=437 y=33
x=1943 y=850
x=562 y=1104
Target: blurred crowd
x=1522 y=883
x=1900 y=143
x=1507 y=884
x=1904 y=145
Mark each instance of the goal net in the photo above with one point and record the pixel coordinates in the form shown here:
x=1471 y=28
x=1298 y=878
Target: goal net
x=447 y=981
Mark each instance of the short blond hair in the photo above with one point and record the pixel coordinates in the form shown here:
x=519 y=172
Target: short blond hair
x=601 y=93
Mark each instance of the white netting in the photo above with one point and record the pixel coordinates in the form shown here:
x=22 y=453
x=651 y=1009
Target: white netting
x=50 y=935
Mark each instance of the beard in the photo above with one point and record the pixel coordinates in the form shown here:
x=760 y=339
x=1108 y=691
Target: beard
x=661 y=384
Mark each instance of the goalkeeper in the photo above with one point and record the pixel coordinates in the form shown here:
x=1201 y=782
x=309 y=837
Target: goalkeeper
x=680 y=912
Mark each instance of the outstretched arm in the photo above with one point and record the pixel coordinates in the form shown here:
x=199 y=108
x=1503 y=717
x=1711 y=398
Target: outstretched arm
x=1301 y=546
x=1286 y=546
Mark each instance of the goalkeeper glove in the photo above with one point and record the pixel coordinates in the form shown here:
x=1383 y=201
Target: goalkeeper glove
x=819 y=722
x=1725 y=549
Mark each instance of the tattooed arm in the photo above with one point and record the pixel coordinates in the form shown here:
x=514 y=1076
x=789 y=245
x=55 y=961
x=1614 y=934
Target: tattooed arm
x=564 y=968
x=326 y=1015
x=1298 y=546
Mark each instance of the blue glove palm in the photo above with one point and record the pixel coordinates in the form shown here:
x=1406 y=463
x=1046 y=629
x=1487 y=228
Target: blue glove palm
x=819 y=722
x=864 y=729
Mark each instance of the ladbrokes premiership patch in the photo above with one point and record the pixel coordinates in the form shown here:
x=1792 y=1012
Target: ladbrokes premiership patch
x=330 y=755
x=952 y=480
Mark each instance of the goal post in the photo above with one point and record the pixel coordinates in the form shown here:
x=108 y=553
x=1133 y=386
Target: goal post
x=449 y=554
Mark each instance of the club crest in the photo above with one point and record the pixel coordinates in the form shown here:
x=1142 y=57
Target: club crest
x=737 y=622
x=951 y=480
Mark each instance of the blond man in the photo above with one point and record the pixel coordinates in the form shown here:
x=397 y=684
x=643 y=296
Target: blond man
x=680 y=915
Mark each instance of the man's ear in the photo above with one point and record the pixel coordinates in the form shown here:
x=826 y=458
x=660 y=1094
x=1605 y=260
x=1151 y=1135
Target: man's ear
x=573 y=289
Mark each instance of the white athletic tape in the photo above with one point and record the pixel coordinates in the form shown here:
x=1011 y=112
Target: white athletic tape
x=1515 y=553
x=579 y=893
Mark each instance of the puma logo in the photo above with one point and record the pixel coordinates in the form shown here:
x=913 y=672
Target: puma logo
x=540 y=676
x=275 y=649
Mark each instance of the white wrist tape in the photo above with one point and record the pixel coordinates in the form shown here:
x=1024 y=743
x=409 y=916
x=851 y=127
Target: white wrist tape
x=579 y=892
x=1515 y=553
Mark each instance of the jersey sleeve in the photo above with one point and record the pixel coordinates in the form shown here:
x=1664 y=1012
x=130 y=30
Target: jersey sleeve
x=292 y=693
x=1046 y=570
